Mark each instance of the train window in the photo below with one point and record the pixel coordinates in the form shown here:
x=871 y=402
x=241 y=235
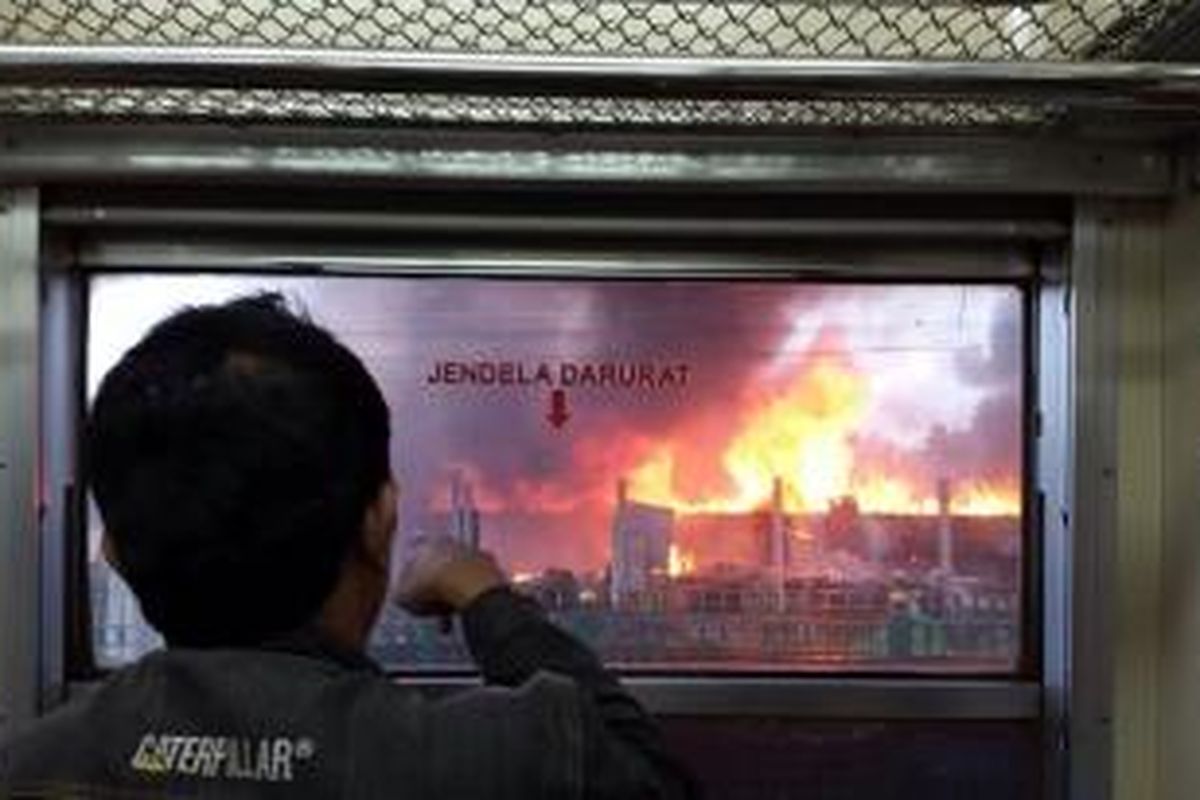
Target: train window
x=692 y=475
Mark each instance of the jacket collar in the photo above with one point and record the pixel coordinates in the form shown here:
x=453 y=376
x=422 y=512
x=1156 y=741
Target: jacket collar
x=311 y=642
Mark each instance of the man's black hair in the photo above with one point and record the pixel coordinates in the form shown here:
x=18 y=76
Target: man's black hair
x=233 y=453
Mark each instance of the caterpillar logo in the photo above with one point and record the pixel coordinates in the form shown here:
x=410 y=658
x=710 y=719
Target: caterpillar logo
x=269 y=760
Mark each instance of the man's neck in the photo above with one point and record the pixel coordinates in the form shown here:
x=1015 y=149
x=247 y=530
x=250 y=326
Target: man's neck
x=349 y=613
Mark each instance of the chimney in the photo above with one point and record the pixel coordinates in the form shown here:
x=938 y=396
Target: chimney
x=619 y=549
x=464 y=517
x=945 y=527
x=778 y=544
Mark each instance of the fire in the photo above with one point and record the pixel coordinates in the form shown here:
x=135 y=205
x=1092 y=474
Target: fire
x=881 y=495
x=983 y=500
x=680 y=562
x=803 y=435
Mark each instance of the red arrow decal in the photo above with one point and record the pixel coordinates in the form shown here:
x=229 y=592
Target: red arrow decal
x=558 y=415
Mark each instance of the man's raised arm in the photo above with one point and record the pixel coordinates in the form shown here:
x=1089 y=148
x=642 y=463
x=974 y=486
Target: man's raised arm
x=512 y=641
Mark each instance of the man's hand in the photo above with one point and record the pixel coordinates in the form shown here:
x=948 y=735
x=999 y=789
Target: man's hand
x=442 y=576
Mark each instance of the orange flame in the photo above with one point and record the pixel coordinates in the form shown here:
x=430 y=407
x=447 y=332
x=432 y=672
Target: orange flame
x=680 y=562
x=804 y=436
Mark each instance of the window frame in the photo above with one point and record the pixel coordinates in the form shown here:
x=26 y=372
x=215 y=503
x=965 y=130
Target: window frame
x=677 y=688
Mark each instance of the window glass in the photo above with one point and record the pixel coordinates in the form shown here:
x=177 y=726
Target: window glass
x=690 y=475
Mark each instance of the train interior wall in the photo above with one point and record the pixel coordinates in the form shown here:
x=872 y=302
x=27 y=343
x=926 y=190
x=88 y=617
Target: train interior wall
x=1149 y=310
x=1153 y=292
x=1178 y=577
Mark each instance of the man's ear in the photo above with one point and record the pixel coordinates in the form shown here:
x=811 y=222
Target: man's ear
x=379 y=526
x=109 y=550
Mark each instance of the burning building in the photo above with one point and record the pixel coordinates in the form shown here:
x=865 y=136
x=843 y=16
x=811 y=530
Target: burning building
x=781 y=517
x=641 y=547
x=777 y=552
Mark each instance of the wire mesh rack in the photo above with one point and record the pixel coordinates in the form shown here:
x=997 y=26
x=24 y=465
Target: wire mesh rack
x=714 y=32
x=902 y=29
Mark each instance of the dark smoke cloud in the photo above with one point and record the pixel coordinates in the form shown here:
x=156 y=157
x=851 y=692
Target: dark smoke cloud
x=990 y=446
x=1000 y=367
x=726 y=332
x=722 y=332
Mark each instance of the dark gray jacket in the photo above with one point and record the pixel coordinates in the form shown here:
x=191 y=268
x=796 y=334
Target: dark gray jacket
x=303 y=719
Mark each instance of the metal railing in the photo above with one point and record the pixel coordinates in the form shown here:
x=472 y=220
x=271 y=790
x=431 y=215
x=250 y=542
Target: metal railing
x=372 y=87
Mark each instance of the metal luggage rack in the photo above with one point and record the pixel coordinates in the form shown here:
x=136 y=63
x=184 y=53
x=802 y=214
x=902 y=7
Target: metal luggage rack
x=968 y=30
x=925 y=65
